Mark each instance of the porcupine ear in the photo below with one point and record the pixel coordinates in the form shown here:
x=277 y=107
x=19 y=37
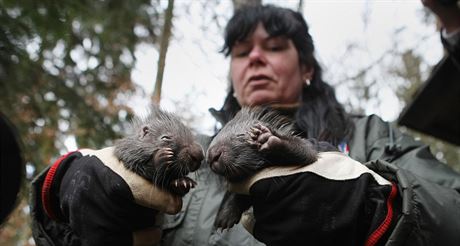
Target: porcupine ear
x=154 y=112
x=145 y=131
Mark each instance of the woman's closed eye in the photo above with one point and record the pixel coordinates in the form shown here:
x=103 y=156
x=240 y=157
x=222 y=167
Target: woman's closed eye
x=240 y=51
x=275 y=48
x=241 y=54
x=276 y=44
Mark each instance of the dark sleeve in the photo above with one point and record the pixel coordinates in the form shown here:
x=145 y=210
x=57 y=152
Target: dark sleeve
x=45 y=231
x=375 y=139
x=453 y=50
x=430 y=213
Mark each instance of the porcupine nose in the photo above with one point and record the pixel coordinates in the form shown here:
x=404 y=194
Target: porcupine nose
x=212 y=159
x=196 y=154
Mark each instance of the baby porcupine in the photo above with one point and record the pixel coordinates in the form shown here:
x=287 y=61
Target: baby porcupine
x=254 y=139
x=162 y=150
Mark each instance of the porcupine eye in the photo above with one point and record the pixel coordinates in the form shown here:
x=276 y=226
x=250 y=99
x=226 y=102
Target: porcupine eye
x=166 y=138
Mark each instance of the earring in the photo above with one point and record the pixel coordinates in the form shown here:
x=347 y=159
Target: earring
x=307 y=82
x=234 y=94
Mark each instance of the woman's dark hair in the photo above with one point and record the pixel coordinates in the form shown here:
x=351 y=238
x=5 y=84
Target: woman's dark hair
x=320 y=115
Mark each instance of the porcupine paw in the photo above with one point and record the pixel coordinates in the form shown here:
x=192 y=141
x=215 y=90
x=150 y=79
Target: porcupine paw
x=164 y=156
x=227 y=219
x=182 y=186
x=263 y=138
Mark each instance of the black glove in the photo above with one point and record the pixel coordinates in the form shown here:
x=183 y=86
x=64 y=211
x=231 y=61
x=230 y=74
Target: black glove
x=334 y=201
x=89 y=198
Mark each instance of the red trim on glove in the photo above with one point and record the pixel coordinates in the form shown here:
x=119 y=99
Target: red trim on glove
x=46 y=188
x=378 y=233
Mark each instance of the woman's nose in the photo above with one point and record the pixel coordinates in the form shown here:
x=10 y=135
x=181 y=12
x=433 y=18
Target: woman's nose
x=256 y=55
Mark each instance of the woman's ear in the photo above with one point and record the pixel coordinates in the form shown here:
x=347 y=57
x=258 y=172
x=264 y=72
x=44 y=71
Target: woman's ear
x=307 y=72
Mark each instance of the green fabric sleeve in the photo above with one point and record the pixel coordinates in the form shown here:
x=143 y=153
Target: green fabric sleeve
x=375 y=139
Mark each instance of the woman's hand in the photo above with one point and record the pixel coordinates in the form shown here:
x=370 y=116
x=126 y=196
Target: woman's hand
x=144 y=192
x=448 y=14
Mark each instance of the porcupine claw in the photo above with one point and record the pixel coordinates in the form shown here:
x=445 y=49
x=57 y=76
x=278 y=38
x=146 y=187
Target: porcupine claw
x=182 y=186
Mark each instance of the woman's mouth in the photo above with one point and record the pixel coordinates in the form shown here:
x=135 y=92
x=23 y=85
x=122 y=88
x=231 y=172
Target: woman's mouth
x=258 y=80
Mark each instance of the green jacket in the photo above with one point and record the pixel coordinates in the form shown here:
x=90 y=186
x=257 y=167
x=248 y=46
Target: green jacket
x=428 y=189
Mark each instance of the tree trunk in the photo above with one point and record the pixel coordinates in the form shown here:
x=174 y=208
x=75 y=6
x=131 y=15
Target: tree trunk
x=300 y=7
x=163 y=50
x=237 y=4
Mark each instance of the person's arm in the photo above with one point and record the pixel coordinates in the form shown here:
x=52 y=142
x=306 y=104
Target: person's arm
x=449 y=18
x=448 y=14
x=333 y=201
x=421 y=207
x=144 y=192
x=87 y=197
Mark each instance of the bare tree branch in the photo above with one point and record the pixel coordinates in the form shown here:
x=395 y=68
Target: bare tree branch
x=300 y=7
x=163 y=50
x=237 y=4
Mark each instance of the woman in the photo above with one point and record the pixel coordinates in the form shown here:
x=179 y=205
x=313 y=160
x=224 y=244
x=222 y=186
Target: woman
x=272 y=62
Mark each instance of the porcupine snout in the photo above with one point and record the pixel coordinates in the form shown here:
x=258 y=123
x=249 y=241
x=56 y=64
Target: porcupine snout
x=213 y=158
x=192 y=156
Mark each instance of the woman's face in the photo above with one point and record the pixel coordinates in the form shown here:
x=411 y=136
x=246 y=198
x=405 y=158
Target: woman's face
x=266 y=70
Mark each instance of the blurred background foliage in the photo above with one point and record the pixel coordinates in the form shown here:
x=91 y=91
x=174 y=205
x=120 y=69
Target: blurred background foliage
x=65 y=68
x=65 y=71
